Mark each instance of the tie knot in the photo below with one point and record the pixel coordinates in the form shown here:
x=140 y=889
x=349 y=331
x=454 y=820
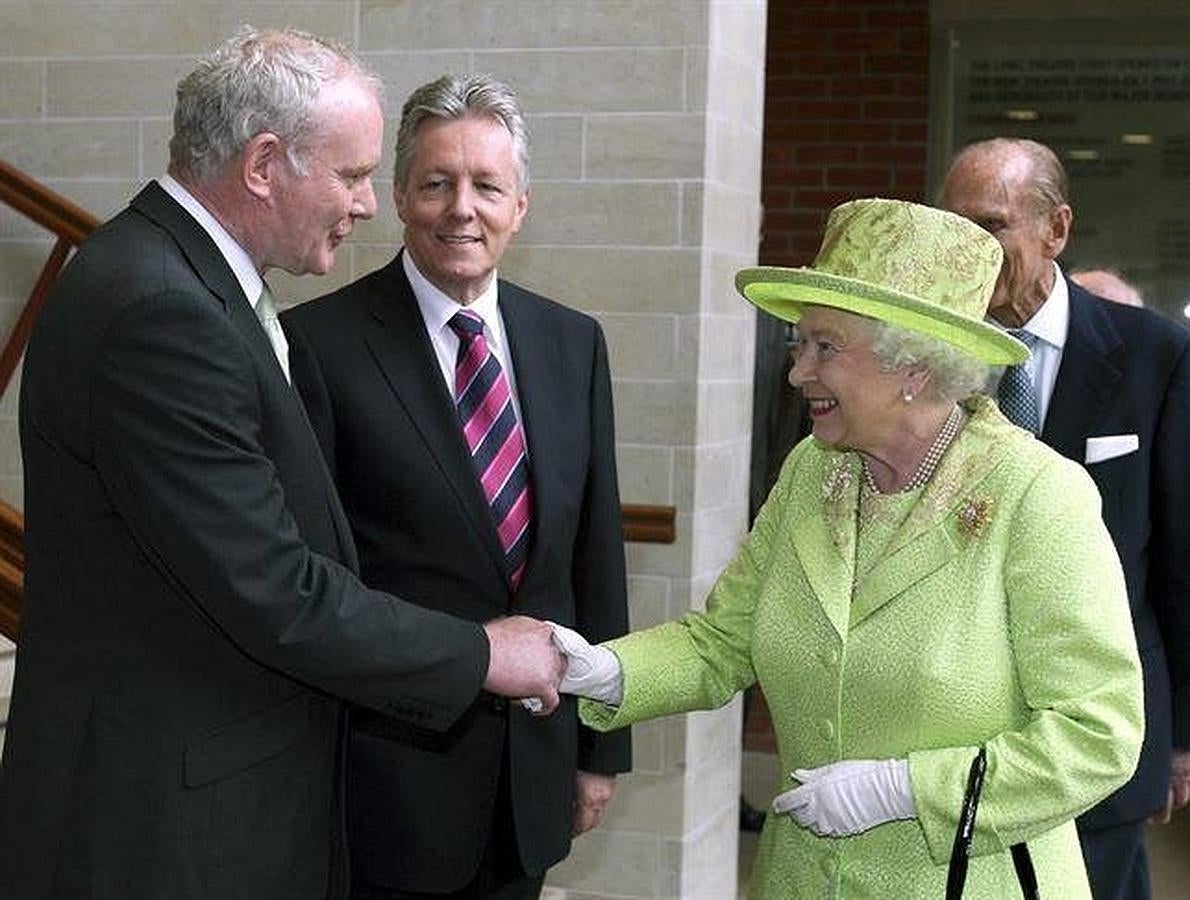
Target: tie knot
x=466 y=325
x=266 y=306
x=1028 y=338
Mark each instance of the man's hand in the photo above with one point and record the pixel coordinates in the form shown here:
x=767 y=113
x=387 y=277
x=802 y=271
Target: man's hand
x=1179 y=788
x=592 y=793
x=523 y=661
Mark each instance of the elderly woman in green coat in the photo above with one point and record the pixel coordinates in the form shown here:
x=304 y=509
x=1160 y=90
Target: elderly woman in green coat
x=925 y=580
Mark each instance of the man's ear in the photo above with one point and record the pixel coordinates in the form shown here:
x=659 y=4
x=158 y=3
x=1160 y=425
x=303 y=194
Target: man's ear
x=259 y=164
x=1057 y=231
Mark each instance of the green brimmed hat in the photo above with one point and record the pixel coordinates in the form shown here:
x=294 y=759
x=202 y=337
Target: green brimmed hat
x=914 y=266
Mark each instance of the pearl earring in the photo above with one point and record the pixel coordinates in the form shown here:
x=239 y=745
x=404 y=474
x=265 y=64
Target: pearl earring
x=907 y=395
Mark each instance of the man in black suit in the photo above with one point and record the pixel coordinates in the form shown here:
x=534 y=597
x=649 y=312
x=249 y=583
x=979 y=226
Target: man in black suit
x=1109 y=386
x=454 y=513
x=191 y=607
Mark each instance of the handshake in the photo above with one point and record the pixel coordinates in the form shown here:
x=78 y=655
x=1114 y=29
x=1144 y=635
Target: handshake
x=535 y=661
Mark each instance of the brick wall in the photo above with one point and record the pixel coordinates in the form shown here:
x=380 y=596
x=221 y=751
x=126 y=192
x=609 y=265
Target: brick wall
x=846 y=108
x=846 y=116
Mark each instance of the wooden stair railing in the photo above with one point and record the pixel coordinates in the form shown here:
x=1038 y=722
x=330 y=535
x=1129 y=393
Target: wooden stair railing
x=71 y=224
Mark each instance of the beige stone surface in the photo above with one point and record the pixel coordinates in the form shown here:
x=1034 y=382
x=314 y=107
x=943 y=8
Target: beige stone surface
x=646 y=472
x=649 y=599
x=613 y=279
x=654 y=412
x=513 y=23
x=642 y=345
x=718 y=473
x=556 y=147
x=113 y=87
x=24 y=84
x=652 y=145
x=72 y=28
x=602 y=213
x=101 y=149
x=154 y=146
x=592 y=80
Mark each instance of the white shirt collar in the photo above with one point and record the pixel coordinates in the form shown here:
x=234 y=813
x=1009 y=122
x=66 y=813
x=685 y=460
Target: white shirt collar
x=437 y=308
x=237 y=257
x=1052 y=317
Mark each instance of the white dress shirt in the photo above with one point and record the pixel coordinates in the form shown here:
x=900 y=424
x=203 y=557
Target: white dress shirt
x=437 y=309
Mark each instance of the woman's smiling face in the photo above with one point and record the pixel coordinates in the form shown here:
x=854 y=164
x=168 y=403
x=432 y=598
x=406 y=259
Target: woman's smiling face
x=853 y=401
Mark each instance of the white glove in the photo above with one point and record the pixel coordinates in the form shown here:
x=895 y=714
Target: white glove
x=590 y=671
x=850 y=796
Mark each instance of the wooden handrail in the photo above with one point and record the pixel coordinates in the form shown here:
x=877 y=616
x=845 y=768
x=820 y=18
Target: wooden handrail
x=12 y=569
x=72 y=224
x=649 y=524
x=47 y=208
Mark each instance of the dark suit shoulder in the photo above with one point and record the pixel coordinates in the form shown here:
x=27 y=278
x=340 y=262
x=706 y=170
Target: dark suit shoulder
x=1135 y=326
x=559 y=315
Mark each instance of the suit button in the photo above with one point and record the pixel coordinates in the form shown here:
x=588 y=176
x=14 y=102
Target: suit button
x=499 y=704
x=827 y=729
x=830 y=657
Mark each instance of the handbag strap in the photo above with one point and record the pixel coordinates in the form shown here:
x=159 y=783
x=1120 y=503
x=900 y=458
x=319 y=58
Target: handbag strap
x=960 y=854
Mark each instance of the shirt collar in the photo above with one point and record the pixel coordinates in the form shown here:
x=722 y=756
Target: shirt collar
x=1050 y=321
x=237 y=257
x=437 y=308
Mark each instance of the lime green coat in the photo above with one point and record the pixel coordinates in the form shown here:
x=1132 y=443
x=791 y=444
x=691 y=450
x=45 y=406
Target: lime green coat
x=997 y=616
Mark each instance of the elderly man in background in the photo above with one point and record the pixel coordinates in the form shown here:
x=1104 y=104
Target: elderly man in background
x=1108 y=284
x=192 y=608
x=468 y=426
x=1108 y=386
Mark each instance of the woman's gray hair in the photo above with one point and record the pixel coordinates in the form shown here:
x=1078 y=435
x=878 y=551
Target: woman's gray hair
x=460 y=97
x=257 y=81
x=954 y=374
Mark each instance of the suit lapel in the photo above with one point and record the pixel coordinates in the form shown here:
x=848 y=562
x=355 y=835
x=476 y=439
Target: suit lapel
x=1086 y=378
x=825 y=544
x=210 y=266
x=400 y=347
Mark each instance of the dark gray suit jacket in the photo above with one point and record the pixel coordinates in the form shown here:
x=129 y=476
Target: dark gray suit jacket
x=420 y=804
x=191 y=611
x=1127 y=371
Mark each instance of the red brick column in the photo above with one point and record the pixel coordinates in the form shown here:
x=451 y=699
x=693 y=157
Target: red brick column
x=846 y=108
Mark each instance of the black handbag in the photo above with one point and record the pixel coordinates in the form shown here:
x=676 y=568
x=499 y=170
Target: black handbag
x=956 y=876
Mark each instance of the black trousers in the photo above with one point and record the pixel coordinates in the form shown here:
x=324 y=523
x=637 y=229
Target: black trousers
x=500 y=875
x=1117 y=862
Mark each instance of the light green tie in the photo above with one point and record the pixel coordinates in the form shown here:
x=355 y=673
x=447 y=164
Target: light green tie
x=266 y=311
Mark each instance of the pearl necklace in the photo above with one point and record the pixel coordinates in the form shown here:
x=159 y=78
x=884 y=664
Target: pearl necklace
x=929 y=462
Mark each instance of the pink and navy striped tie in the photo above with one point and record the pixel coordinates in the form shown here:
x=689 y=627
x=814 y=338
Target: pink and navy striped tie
x=490 y=426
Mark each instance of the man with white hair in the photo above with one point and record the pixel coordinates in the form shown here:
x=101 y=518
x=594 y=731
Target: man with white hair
x=192 y=612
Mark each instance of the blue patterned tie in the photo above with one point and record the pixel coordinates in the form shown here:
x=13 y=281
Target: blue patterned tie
x=1017 y=398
